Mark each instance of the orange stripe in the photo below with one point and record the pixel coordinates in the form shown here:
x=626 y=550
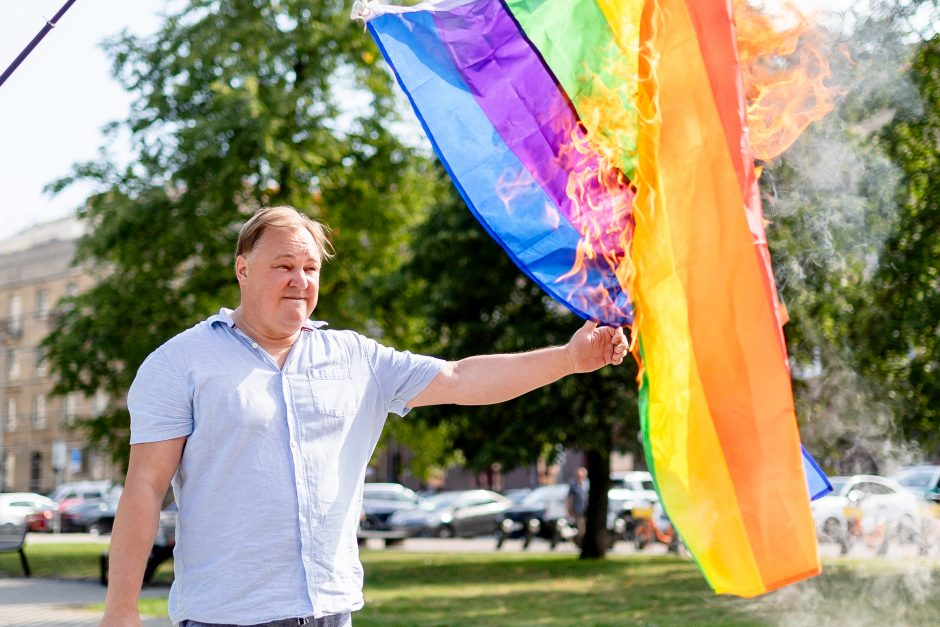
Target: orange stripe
x=733 y=327
x=686 y=455
x=714 y=25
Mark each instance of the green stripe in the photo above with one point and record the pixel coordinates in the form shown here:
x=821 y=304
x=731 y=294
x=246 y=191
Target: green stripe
x=576 y=43
x=643 y=399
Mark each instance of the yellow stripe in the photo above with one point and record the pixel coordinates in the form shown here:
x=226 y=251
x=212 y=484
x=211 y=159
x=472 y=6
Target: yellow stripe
x=689 y=464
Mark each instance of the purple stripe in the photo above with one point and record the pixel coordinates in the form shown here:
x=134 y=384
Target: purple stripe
x=524 y=102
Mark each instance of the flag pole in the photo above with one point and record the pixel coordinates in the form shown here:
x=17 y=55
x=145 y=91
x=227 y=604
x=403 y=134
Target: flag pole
x=29 y=48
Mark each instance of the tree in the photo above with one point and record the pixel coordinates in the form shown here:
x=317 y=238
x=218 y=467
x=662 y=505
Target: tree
x=903 y=334
x=828 y=233
x=470 y=298
x=239 y=104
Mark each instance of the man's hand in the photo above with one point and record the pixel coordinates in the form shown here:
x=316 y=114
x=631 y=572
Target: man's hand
x=593 y=347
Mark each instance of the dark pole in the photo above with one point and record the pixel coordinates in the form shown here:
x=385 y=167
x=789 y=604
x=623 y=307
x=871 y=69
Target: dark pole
x=29 y=48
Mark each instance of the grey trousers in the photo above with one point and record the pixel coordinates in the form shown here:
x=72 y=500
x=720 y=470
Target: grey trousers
x=333 y=620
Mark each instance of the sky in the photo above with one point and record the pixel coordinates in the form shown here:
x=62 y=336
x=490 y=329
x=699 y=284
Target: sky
x=52 y=109
x=54 y=105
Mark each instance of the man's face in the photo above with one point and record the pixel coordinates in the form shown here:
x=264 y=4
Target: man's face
x=280 y=281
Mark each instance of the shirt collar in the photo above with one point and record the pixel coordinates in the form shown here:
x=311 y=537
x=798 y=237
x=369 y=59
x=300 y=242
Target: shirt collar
x=225 y=317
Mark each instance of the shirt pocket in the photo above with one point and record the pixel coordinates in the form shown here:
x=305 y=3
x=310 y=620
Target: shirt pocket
x=333 y=391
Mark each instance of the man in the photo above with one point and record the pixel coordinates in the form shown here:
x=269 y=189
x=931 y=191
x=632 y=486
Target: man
x=577 y=501
x=279 y=418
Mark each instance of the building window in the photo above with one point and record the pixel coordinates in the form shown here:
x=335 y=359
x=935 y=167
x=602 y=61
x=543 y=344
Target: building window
x=35 y=471
x=71 y=403
x=100 y=402
x=39 y=414
x=42 y=302
x=42 y=368
x=16 y=314
x=13 y=363
x=9 y=468
x=11 y=414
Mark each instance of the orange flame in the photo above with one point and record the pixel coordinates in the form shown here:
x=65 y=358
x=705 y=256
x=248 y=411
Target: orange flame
x=599 y=158
x=785 y=73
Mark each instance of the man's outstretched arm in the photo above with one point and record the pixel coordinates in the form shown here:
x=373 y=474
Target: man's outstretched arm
x=489 y=379
x=152 y=466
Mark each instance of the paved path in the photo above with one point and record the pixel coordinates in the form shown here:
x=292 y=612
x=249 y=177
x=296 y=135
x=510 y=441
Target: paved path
x=57 y=603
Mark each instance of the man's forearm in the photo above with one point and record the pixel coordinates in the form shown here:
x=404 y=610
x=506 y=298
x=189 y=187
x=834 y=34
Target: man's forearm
x=131 y=541
x=491 y=379
x=488 y=379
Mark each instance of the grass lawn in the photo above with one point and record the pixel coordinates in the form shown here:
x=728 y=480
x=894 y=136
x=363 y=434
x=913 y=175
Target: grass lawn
x=501 y=589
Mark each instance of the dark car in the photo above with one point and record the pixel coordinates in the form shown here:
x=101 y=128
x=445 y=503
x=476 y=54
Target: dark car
x=95 y=516
x=381 y=500
x=542 y=513
x=463 y=513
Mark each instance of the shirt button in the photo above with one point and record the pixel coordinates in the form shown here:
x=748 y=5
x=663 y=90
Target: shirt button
x=254 y=345
x=307 y=558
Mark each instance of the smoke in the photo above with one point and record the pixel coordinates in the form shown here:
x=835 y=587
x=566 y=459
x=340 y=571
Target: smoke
x=832 y=201
x=878 y=593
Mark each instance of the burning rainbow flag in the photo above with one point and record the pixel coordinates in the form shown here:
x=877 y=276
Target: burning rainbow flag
x=604 y=144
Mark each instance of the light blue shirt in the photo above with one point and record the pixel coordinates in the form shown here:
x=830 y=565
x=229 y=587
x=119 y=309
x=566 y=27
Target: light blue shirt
x=269 y=487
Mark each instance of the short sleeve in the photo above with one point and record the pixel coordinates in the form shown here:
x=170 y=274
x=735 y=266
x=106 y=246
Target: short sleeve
x=159 y=401
x=402 y=375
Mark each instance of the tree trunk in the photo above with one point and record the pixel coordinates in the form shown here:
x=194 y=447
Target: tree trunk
x=594 y=545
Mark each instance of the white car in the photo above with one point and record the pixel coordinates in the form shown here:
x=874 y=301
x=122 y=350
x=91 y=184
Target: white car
x=16 y=506
x=639 y=482
x=867 y=507
x=629 y=490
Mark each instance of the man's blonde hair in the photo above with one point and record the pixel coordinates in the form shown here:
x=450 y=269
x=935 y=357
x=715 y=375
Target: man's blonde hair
x=282 y=217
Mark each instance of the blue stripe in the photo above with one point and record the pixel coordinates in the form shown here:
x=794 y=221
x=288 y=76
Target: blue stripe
x=816 y=481
x=530 y=227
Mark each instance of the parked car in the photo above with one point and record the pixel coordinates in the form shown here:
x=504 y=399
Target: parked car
x=42 y=520
x=94 y=516
x=449 y=514
x=542 y=513
x=16 y=507
x=84 y=490
x=921 y=479
x=624 y=507
x=869 y=508
x=381 y=500
x=515 y=495
x=639 y=481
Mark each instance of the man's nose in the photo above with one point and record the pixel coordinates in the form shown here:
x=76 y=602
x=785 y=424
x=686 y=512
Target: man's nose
x=299 y=279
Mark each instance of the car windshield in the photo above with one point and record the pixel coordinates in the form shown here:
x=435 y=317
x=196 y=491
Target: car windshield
x=388 y=495
x=838 y=484
x=540 y=495
x=444 y=499
x=917 y=480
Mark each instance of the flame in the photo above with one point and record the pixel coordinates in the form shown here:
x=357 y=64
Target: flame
x=599 y=158
x=785 y=73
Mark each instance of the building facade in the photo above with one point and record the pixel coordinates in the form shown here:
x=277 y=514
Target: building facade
x=40 y=448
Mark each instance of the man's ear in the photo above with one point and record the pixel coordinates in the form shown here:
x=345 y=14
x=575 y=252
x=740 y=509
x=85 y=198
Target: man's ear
x=241 y=267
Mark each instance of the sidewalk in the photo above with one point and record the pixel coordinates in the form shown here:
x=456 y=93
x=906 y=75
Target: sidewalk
x=57 y=603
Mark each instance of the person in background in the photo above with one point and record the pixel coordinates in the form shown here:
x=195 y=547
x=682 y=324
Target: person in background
x=577 y=502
